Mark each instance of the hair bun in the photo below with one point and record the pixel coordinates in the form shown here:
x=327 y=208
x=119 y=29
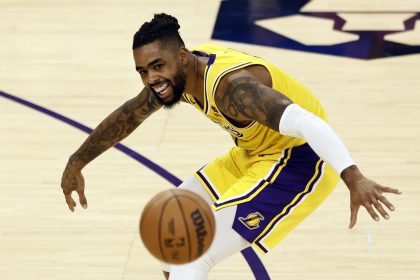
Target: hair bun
x=162 y=27
x=166 y=21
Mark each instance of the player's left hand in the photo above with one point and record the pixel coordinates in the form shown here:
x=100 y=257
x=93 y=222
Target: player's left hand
x=369 y=194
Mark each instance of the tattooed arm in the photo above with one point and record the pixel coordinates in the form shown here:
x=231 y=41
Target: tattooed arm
x=109 y=132
x=243 y=97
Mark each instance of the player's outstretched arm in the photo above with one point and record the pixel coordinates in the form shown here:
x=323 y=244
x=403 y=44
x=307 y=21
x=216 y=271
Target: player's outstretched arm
x=246 y=98
x=113 y=129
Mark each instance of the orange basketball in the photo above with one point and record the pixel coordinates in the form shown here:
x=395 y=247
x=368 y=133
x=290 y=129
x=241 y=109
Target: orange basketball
x=177 y=226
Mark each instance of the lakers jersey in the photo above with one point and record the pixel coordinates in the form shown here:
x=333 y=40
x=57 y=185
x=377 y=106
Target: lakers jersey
x=254 y=138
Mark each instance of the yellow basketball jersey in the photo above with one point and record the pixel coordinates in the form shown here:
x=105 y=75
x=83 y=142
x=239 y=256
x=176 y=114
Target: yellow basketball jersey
x=255 y=138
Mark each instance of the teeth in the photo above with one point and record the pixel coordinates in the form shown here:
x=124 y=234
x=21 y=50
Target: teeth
x=161 y=87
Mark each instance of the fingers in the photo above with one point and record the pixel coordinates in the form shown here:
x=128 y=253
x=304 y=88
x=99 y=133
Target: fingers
x=70 y=202
x=386 y=202
x=82 y=199
x=377 y=202
x=81 y=192
x=390 y=190
x=369 y=195
x=70 y=183
x=371 y=211
x=353 y=216
x=381 y=210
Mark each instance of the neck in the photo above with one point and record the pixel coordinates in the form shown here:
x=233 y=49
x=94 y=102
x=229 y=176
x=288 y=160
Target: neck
x=195 y=74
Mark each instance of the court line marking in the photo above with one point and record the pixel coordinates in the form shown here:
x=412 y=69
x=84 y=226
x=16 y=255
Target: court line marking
x=254 y=262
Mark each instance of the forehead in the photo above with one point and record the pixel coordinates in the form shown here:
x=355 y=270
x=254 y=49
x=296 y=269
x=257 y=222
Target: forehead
x=150 y=52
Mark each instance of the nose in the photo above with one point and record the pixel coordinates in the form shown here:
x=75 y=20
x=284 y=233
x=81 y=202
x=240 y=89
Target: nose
x=152 y=78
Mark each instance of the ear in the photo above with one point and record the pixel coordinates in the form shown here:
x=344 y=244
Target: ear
x=183 y=55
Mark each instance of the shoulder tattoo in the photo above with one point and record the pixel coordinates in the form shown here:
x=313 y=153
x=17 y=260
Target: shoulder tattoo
x=246 y=98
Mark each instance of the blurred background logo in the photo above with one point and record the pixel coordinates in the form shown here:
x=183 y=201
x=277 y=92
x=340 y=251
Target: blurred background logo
x=320 y=26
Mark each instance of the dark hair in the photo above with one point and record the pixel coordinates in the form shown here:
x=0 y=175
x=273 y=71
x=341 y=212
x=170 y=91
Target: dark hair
x=162 y=27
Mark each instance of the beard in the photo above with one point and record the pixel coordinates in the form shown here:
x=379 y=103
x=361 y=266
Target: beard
x=178 y=88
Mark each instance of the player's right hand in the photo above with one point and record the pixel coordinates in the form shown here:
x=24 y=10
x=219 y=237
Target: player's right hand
x=72 y=180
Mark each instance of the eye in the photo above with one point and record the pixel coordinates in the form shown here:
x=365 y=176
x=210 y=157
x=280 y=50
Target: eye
x=142 y=72
x=158 y=66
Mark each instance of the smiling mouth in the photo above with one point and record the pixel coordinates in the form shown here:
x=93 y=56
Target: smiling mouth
x=161 y=89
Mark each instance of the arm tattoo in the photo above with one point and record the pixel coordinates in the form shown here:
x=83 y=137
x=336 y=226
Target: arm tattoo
x=246 y=98
x=117 y=126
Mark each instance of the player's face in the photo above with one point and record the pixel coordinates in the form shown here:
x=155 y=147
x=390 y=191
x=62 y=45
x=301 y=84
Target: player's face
x=161 y=71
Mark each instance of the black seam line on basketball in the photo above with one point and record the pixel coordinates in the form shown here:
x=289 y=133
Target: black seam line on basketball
x=160 y=230
x=185 y=225
x=208 y=218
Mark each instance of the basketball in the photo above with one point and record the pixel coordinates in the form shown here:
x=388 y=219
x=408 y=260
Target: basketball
x=177 y=226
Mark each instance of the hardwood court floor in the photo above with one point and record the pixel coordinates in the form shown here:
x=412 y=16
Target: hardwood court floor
x=74 y=57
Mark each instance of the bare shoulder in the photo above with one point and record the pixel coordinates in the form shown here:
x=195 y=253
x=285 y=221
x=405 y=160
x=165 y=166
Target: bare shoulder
x=244 y=95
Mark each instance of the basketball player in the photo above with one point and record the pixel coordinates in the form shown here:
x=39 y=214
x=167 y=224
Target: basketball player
x=286 y=158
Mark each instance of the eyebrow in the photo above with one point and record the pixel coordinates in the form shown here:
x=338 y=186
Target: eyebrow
x=157 y=60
